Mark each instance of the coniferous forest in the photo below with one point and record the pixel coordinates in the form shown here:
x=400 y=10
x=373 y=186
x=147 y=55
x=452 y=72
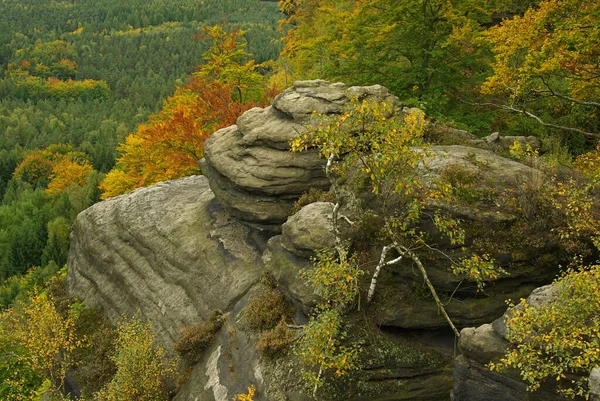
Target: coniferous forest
x=100 y=97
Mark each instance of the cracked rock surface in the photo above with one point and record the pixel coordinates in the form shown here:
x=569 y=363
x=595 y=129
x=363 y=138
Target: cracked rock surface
x=249 y=165
x=169 y=251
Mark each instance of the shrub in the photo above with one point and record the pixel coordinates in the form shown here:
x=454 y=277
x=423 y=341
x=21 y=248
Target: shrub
x=313 y=195
x=265 y=310
x=558 y=341
x=141 y=370
x=195 y=338
x=94 y=366
x=248 y=396
x=275 y=341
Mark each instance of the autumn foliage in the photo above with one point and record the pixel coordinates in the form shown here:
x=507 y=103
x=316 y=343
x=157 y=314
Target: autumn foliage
x=170 y=145
x=56 y=167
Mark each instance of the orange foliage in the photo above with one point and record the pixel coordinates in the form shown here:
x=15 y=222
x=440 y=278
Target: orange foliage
x=66 y=173
x=170 y=145
x=34 y=169
x=172 y=142
x=59 y=164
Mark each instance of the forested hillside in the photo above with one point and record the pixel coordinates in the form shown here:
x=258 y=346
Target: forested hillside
x=75 y=79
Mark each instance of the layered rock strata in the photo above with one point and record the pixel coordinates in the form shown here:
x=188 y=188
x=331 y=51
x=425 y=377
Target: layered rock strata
x=473 y=380
x=168 y=251
x=250 y=167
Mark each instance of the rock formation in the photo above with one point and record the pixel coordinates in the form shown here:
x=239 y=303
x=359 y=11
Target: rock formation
x=178 y=250
x=251 y=170
x=487 y=343
x=169 y=251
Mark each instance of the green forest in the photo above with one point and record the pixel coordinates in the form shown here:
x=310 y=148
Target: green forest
x=98 y=98
x=76 y=78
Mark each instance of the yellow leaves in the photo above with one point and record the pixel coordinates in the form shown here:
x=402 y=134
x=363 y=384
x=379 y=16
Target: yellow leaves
x=48 y=338
x=559 y=339
x=66 y=173
x=140 y=365
x=479 y=268
x=249 y=396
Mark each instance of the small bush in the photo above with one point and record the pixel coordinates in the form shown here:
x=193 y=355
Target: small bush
x=275 y=341
x=265 y=310
x=195 y=338
x=94 y=366
x=313 y=195
x=142 y=371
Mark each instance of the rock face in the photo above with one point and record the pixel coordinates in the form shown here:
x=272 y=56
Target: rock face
x=180 y=249
x=595 y=385
x=169 y=251
x=487 y=187
x=251 y=170
x=481 y=345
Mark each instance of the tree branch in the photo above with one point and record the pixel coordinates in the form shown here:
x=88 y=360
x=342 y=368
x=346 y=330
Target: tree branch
x=590 y=135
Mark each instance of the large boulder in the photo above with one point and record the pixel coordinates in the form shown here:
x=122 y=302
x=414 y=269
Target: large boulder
x=473 y=380
x=168 y=251
x=491 y=194
x=249 y=165
x=309 y=230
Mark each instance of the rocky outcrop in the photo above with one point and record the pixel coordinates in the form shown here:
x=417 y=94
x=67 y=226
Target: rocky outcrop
x=168 y=251
x=473 y=380
x=487 y=188
x=172 y=253
x=180 y=249
x=500 y=143
x=391 y=368
x=595 y=385
x=251 y=170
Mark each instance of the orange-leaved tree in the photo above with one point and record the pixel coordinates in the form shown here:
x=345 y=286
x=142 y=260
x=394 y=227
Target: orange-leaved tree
x=171 y=143
x=56 y=168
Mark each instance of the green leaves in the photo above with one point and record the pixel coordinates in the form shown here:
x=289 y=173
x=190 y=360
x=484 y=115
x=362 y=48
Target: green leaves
x=558 y=340
x=321 y=349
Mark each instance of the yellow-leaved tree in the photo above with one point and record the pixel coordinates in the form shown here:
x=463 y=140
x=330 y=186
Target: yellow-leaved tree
x=42 y=341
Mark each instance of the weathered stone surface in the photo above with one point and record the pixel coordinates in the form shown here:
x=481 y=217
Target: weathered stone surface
x=323 y=97
x=485 y=205
x=404 y=305
x=497 y=142
x=391 y=369
x=595 y=385
x=488 y=343
x=482 y=344
x=169 y=251
x=475 y=382
x=309 y=230
x=540 y=296
x=230 y=364
x=285 y=267
x=250 y=168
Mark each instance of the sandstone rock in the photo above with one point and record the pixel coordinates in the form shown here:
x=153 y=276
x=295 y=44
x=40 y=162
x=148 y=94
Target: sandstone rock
x=482 y=344
x=595 y=385
x=485 y=205
x=230 y=364
x=401 y=305
x=309 y=230
x=497 y=142
x=475 y=382
x=487 y=343
x=391 y=369
x=285 y=267
x=169 y=251
x=250 y=168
